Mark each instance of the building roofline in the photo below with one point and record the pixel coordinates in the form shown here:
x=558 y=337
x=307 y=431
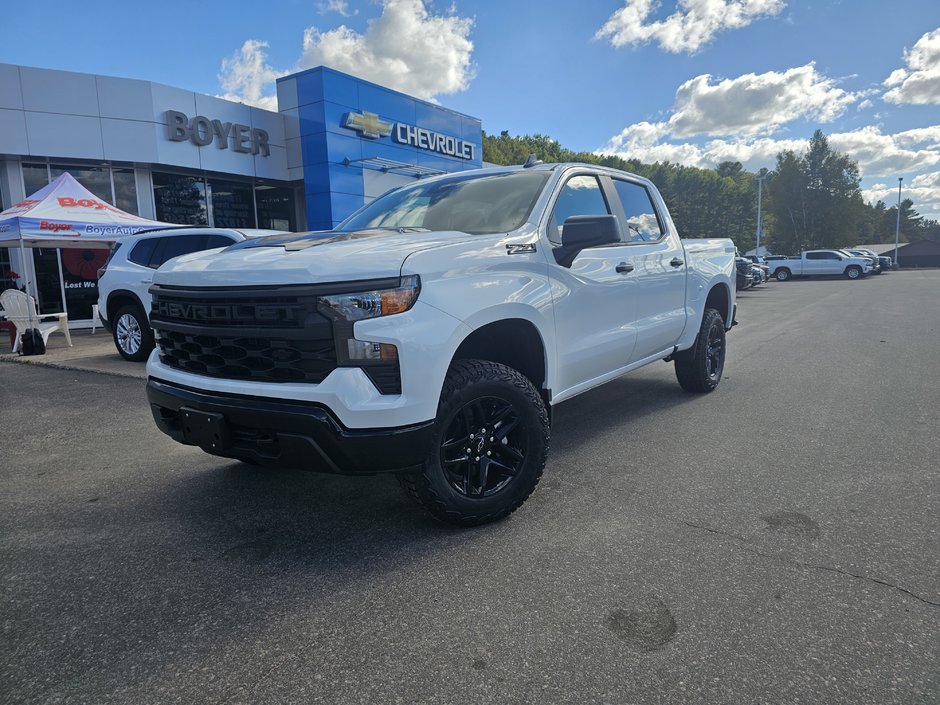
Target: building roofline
x=375 y=85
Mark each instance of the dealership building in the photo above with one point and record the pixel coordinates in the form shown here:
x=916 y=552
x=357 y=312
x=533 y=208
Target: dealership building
x=176 y=156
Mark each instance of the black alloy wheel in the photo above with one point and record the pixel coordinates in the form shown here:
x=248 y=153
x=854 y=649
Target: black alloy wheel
x=699 y=368
x=715 y=353
x=489 y=446
x=483 y=447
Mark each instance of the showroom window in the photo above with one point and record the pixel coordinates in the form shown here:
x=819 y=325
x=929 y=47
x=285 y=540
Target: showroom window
x=275 y=207
x=222 y=203
x=180 y=199
x=115 y=185
x=231 y=204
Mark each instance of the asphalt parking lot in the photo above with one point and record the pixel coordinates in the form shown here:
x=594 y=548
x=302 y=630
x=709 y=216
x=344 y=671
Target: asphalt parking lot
x=776 y=541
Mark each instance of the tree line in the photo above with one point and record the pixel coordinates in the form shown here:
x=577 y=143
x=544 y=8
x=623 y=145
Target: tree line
x=810 y=199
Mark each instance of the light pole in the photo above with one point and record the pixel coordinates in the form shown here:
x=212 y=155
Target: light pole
x=760 y=188
x=897 y=228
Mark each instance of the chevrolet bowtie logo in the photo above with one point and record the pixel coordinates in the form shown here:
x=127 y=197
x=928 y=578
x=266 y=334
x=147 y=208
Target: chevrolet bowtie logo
x=369 y=124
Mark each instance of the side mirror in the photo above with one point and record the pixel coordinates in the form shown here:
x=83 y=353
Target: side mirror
x=583 y=231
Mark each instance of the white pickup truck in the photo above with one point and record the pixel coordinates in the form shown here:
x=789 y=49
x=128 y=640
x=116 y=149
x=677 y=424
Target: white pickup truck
x=431 y=332
x=821 y=262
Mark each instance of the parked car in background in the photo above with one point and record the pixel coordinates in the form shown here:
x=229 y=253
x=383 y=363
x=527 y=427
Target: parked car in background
x=870 y=256
x=745 y=277
x=761 y=264
x=884 y=263
x=821 y=262
x=124 y=281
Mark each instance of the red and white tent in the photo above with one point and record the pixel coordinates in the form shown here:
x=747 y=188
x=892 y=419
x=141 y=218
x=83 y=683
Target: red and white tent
x=66 y=214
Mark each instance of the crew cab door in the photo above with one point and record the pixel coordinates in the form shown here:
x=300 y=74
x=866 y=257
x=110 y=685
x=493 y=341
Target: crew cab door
x=822 y=262
x=595 y=297
x=659 y=268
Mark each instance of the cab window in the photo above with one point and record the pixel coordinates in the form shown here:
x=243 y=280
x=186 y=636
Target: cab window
x=581 y=195
x=642 y=225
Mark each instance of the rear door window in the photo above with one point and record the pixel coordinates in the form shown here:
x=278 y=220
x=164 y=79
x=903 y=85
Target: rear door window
x=181 y=245
x=642 y=223
x=214 y=241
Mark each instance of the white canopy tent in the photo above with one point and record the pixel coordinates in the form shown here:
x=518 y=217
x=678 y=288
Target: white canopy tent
x=65 y=214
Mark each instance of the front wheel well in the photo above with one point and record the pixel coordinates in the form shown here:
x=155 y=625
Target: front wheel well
x=514 y=342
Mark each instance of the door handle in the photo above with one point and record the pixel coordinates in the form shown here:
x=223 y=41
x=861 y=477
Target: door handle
x=676 y=262
x=624 y=268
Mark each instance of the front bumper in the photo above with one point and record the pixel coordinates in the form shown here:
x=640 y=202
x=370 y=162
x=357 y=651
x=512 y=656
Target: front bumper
x=286 y=434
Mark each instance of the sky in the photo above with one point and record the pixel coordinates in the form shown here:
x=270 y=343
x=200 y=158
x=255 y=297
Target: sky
x=690 y=81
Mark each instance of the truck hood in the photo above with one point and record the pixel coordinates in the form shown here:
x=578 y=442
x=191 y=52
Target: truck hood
x=305 y=258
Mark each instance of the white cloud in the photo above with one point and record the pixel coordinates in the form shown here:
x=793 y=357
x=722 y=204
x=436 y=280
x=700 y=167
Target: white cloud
x=924 y=137
x=743 y=115
x=406 y=48
x=756 y=103
x=877 y=154
x=340 y=6
x=246 y=76
x=648 y=143
x=924 y=190
x=919 y=82
x=691 y=27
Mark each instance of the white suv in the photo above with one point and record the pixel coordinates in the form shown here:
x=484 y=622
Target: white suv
x=124 y=281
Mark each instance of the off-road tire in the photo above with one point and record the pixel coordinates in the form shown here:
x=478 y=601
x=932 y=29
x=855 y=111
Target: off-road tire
x=782 y=275
x=697 y=369
x=468 y=385
x=120 y=329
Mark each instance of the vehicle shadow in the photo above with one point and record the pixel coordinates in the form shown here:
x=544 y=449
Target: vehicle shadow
x=244 y=513
x=580 y=421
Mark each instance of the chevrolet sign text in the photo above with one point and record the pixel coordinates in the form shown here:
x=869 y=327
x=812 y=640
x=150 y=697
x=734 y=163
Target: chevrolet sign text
x=434 y=141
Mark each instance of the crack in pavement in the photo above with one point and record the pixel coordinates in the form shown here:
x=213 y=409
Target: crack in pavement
x=814 y=566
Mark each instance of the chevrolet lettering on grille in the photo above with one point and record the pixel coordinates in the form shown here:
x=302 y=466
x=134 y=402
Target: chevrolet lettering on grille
x=224 y=313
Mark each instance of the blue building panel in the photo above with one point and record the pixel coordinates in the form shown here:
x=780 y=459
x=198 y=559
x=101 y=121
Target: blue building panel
x=319 y=210
x=313 y=149
x=311 y=118
x=472 y=129
x=345 y=180
x=344 y=205
x=340 y=87
x=317 y=178
x=391 y=105
x=433 y=118
x=345 y=121
x=342 y=147
x=309 y=86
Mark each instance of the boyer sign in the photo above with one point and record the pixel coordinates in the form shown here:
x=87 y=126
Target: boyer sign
x=202 y=131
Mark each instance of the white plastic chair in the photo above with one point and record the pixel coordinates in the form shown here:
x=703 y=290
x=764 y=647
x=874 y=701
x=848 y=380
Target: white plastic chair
x=20 y=309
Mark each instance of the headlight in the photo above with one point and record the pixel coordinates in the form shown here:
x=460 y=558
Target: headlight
x=378 y=360
x=371 y=304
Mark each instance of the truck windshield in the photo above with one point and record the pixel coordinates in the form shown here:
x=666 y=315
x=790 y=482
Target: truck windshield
x=478 y=204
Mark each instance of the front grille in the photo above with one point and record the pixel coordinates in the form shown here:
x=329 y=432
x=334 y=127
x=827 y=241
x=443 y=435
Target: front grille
x=250 y=358
x=272 y=334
